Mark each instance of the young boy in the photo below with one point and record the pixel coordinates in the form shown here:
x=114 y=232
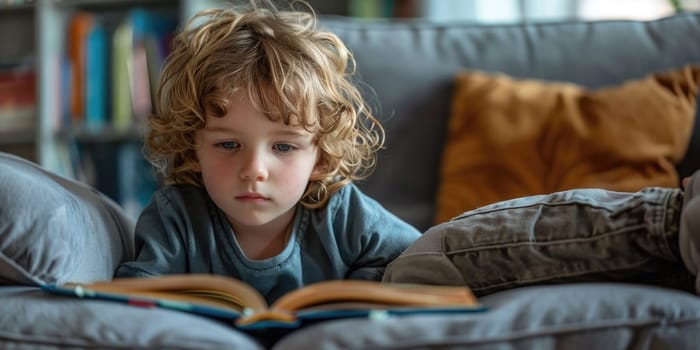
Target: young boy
x=258 y=134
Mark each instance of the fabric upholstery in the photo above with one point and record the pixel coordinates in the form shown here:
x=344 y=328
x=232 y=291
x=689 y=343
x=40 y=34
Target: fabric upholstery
x=575 y=316
x=509 y=138
x=34 y=320
x=54 y=230
x=411 y=92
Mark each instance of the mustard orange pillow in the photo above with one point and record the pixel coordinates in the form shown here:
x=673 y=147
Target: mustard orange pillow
x=510 y=138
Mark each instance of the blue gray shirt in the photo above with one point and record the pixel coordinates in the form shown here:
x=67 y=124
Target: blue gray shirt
x=352 y=237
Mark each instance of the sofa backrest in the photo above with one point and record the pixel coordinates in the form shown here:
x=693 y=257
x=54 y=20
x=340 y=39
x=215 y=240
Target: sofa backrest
x=407 y=68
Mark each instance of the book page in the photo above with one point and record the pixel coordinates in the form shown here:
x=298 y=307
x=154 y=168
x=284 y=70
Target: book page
x=212 y=290
x=381 y=295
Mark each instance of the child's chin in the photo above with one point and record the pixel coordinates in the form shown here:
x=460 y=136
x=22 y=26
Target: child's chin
x=251 y=218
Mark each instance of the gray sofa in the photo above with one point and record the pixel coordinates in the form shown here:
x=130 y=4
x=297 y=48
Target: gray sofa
x=410 y=66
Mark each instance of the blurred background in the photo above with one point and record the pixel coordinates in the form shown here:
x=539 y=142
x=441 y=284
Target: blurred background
x=508 y=11
x=77 y=76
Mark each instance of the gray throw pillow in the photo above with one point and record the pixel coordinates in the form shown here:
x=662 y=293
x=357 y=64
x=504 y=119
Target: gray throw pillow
x=55 y=230
x=428 y=259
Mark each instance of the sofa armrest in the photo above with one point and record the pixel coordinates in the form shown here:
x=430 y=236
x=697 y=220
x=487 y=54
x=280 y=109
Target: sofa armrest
x=55 y=230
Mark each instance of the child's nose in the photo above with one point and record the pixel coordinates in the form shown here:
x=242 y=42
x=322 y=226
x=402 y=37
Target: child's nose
x=254 y=168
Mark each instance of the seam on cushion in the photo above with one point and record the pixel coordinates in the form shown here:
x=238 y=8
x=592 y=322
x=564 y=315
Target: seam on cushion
x=545 y=243
x=662 y=200
x=404 y=255
x=487 y=210
x=551 y=331
x=657 y=229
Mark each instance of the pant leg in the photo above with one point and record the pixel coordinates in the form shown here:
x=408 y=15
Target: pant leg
x=577 y=235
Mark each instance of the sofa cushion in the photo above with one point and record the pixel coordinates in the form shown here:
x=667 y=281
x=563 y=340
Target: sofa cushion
x=32 y=319
x=574 y=316
x=54 y=230
x=509 y=138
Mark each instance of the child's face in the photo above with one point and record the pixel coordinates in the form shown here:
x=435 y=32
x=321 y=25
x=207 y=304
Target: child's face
x=254 y=169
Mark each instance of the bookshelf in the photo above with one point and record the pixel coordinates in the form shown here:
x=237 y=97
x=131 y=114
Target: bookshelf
x=36 y=85
x=17 y=80
x=78 y=133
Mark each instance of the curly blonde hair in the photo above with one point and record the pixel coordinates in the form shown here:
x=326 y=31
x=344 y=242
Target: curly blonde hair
x=290 y=70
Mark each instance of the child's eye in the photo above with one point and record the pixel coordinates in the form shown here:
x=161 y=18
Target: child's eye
x=227 y=145
x=283 y=147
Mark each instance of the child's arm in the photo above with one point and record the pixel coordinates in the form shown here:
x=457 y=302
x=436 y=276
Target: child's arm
x=372 y=235
x=159 y=240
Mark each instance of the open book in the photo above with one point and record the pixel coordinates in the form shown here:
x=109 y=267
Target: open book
x=229 y=299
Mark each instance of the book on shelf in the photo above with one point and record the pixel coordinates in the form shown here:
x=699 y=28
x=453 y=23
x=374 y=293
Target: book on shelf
x=121 y=83
x=96 y=77
x=17 y=97
x=113 y=64
x=79 y=28
x=140 y=84
x=140 y=44
x=228 y=299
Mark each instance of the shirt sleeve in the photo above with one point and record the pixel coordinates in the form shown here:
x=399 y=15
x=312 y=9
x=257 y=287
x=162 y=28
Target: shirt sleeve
x=371 y=235
x=159 y=242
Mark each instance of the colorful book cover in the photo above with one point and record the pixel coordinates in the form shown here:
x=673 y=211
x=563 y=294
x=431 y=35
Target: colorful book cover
x=96 y=78
x=121 y=91
x=79 y=28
